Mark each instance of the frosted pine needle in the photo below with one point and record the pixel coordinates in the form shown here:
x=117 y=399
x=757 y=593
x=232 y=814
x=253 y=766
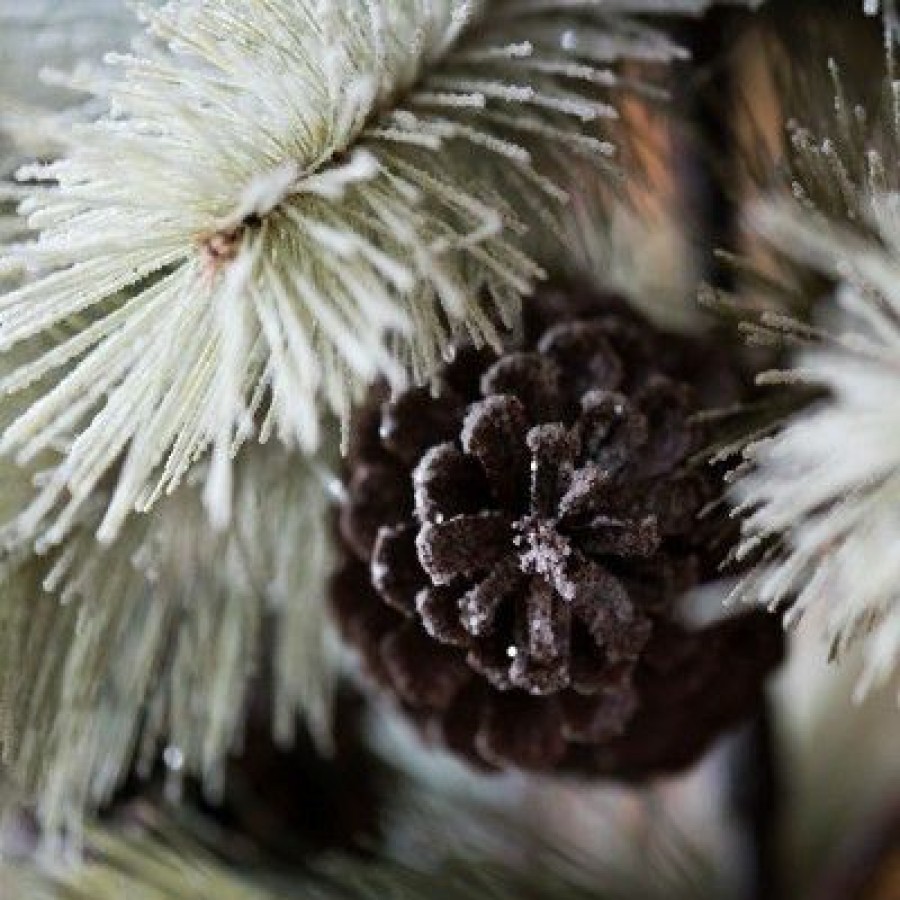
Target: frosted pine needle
x=826 y=490
x=287 y=200
x=154 y=642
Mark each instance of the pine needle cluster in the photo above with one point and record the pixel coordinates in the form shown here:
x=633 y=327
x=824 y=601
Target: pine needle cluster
x=821 y=495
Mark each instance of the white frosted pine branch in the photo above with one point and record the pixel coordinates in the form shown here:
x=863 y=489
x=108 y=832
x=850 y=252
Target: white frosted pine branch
x=826 y=490
x=820 y=497
x=108 y=653
x=286 y=200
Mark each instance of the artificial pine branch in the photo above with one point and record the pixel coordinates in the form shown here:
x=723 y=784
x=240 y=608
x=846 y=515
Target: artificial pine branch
x=354 y=195
x=160 y=867
x=153 y=644
x=820 y=496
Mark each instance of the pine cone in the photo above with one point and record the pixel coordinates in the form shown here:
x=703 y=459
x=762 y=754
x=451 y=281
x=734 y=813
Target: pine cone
x=519 y=537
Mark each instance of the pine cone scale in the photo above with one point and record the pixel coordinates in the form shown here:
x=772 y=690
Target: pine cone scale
x=464 y=546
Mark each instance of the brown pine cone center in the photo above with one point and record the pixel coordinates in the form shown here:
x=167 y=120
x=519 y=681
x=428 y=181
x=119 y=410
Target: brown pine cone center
x=543 y=549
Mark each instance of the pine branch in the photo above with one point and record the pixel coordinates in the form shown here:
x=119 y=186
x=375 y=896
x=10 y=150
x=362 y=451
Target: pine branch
x=353 y=197
x=149 y=868
x=154 y=642
x=820 y=496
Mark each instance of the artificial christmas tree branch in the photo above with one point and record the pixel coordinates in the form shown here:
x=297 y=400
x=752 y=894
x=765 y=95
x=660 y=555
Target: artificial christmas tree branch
x=158 y=856
x=324 y=220
x=820 y=495
x=150 y=649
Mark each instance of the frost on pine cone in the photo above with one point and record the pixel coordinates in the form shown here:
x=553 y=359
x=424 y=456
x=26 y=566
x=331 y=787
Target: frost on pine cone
x=518 y=539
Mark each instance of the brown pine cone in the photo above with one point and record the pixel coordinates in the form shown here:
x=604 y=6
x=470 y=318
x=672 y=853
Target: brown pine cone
x=518 y=540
